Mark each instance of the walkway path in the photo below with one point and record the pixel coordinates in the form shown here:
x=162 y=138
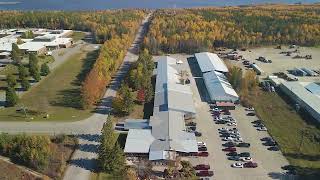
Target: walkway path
x=88 y=131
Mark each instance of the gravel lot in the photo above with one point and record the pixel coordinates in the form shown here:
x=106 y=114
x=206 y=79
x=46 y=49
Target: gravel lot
x=269 y=163
x=281 y=62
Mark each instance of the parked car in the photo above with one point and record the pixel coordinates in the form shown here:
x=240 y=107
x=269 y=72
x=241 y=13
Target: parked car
x=234 y=158
x=266 y=139
x=257 y=121
x=232 y=154
x=270 y=143
x=197 y=134
x=251 y=114
x=223 y=129
x=227 y=112
x=201 y=167
x=230 y=149
x=244 y=154
x=262 y=128
x=273 y=148
x=191 y=124
x=243 y=144
x=200 y=143
x=239 y=139
x=250 y=109
x=237 y=165
x=229 y=144
x=203 y=154
x=193 y=128
x=232 y=124
x=246 y=159
x=221 y=122
x=228 y=139
x=203 y=148
x=250 y=165
x=204 y=173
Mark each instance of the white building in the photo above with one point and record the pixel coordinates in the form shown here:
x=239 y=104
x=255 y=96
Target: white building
x=210 y=62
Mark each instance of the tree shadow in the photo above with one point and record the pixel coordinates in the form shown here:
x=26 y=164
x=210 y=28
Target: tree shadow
x=122 y=139
x=89 y=137
x=93 y=148
x=304 y=156
x=88 y=164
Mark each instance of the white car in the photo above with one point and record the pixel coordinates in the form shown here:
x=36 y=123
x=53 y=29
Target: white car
x=250 y=109
x=232 y=124
x=228 y=139
x=246 y=159
x=237 y=165
x=262 y=129
x=201 y=143
x=223 y=129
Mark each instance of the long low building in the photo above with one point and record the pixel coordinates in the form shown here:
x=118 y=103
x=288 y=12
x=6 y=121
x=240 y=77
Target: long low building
x=167 y=136
x=210 y=62
x=306 y=95
x=219 y=88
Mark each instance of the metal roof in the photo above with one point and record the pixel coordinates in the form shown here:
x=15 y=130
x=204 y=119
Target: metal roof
x=219 y=87
x=136 y=124
x=313 y=88
x=312 y=100
x=210 y=62
x=138 y=141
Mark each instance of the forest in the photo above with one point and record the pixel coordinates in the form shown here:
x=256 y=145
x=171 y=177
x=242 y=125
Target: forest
x=103 y=24
x=194 y=30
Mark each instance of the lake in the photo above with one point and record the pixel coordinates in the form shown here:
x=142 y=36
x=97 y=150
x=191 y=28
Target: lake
x=116 y=4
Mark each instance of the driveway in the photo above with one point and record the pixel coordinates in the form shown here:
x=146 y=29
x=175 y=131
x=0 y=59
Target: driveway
x=84 y=159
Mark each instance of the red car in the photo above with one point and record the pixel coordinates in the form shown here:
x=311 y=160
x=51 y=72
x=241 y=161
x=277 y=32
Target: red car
x=250 y=165
x=201 y=167
x=230 y=149
x=203 y=154
x=204 y=173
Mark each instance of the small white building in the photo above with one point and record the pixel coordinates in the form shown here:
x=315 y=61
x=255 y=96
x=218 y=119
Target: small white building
x=210 y=62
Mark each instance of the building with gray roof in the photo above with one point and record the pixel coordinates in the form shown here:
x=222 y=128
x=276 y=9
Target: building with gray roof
x=172 y=102
x=210 y=62
x=301 y=95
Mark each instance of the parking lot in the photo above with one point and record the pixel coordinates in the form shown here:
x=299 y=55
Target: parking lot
x=281 y=62
x=269 y=162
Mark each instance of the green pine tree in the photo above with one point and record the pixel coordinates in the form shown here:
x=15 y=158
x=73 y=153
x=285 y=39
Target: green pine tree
x=45 y=70
x=11 y=97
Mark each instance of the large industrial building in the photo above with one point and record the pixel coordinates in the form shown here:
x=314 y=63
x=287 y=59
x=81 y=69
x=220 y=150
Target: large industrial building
x=43 y=41
x=213 y=72
x=304 y=94
x=164 y=135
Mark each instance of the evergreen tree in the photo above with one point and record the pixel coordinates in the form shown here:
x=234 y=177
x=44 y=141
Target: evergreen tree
x=36 y=76
x=45 y=70
x=23 y=72
x=16 y=54
x=25 y=84
x=33 y=64
x=11 y=97
x=11 y=81
x=118 y=162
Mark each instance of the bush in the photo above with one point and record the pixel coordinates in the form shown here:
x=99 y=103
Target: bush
x=11 y=97
x=11 y=81
x=25 y=84
x=45 y=70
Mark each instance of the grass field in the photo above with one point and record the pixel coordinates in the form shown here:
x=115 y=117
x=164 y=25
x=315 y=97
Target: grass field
x=57 y=95
x=285 y=125
x=76 y=36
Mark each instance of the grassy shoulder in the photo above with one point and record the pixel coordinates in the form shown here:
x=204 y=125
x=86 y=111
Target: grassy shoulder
x=285 y=125
x=77 y=35
x=58 y=94
x=11 y=171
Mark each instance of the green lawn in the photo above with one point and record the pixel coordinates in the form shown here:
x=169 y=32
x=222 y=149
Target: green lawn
x=76 y=36
x=285 y=125
x=58 y=94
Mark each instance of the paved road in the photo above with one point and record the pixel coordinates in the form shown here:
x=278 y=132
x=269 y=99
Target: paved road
x=88 y=131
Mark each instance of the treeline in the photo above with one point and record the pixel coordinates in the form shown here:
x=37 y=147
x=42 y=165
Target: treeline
x=104 y=25
x=32 y=151
x=109 y=60
x=137 y=86
x=194 y=30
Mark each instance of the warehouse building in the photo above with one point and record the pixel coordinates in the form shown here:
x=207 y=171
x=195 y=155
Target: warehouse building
x=166 y=136
x=210 y=62
x=219 y=88
x=305 y=95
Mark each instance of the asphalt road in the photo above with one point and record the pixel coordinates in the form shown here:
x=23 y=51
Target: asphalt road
x=84 y=159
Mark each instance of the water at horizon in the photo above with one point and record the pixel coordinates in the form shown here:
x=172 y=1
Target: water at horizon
x=116 y=4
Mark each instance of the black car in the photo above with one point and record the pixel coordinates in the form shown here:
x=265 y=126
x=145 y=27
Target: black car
x=191 y=124
x=193 y=128
x=266 y=139
x=232 y=154
x=202 y=148
x=221 y=122
x=243 y=144
x=229 y=144
x=198 y=134
x=244 y=154
x=251 y=114
x=273 y=148
x=270 y=143
x=257 y=121
x=234 y=158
